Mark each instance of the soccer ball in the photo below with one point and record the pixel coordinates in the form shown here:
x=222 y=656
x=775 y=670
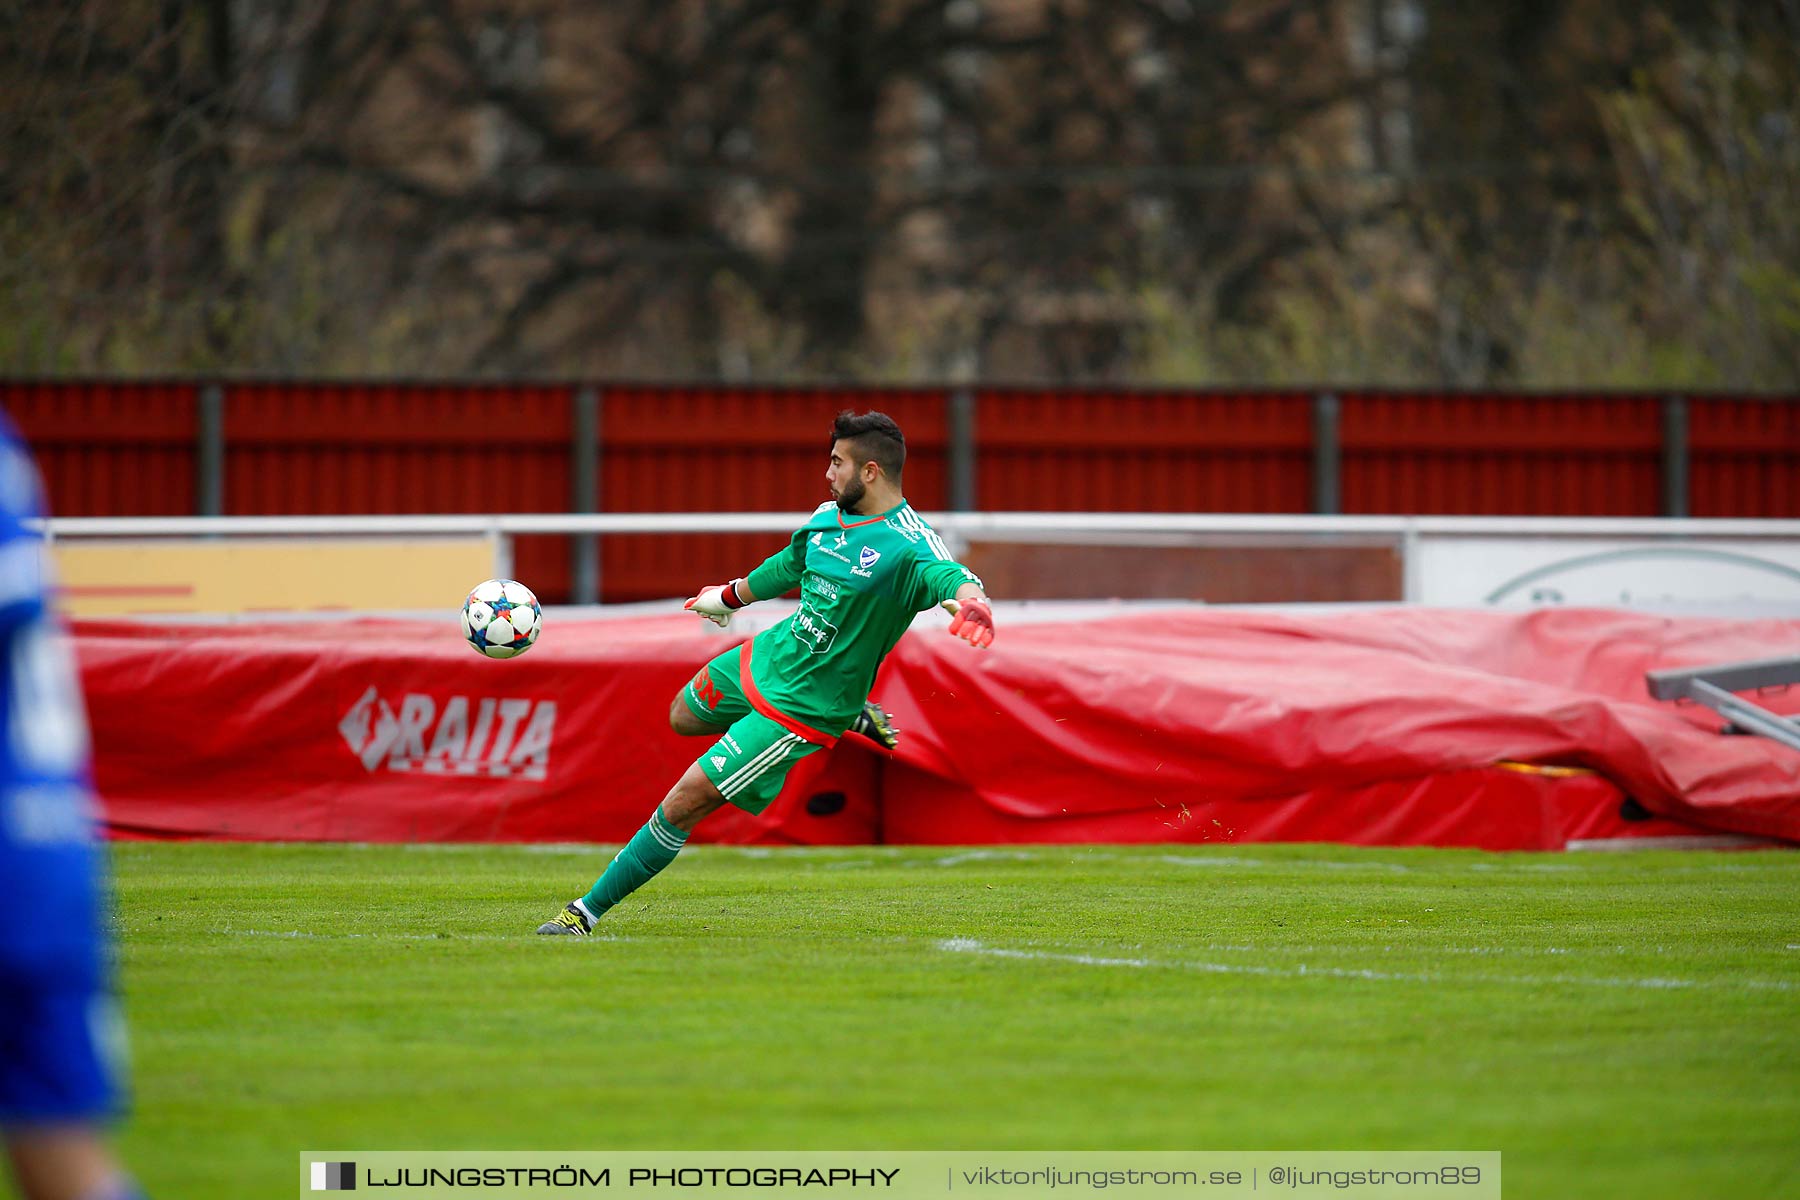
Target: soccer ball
x=501 y=618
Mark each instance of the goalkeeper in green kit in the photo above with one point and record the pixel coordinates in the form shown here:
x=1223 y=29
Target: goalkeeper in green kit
x=865 y=564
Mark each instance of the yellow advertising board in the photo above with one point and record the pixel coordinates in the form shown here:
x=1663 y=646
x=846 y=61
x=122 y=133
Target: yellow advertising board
x=110 y=578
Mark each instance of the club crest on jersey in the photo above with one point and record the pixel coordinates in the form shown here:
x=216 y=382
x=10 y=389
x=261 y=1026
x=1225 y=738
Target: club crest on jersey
x=868 y=560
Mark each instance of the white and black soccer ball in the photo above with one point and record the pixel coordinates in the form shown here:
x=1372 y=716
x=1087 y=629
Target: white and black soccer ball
x=501 y=618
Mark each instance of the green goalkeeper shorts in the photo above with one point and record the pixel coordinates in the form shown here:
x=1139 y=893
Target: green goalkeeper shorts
x=749 y=763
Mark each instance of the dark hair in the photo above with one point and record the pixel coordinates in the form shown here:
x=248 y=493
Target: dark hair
x=875 y=436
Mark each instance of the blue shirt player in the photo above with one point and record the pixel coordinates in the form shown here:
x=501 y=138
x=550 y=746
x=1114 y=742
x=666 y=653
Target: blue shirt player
x=57 y=1022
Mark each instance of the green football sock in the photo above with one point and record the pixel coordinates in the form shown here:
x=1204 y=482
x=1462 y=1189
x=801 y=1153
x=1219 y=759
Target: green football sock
x=650 y=850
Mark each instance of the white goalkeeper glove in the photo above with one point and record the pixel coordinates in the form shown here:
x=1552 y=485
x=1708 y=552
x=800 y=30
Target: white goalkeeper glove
x=718 y=602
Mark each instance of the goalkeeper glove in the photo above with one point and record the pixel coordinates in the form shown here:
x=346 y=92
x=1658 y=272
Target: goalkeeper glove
x=973 y=623
x=718 y=602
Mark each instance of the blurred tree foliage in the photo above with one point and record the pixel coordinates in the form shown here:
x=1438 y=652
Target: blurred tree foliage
x=1536 y=193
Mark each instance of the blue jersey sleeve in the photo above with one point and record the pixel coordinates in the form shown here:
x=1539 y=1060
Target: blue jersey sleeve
x=43 y=729
x=23 y=585
x=48 y=860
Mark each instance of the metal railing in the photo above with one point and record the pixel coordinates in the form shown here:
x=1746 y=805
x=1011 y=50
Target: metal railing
x=958 y=529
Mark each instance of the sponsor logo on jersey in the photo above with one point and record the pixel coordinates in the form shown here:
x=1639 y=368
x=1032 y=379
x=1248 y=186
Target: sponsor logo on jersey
x=813 y=630
x=706 y=691
x=487 y=736
x=837 y=554
x=818 y=539
x=718 y=761
x=823 y=586
x=731 y=744
x=46 y=814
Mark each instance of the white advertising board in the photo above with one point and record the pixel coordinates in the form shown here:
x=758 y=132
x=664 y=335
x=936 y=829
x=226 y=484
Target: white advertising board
x=1726 y=576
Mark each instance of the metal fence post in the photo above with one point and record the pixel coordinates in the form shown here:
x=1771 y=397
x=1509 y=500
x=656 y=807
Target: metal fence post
x=209 y=453
x=1328 y=454
x=585 y=474
x=961 y=420
x=1675 y=456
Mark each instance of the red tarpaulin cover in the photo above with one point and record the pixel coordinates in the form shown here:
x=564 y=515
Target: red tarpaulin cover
x=1378 y=726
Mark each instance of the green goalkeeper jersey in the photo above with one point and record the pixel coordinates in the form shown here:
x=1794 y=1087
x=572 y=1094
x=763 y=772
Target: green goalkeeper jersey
x=861 y=580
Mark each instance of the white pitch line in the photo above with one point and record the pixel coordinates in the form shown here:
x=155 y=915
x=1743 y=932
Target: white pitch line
x=1485 y=951
x=957 y=860
x=1303 y=971
x=1707 y=841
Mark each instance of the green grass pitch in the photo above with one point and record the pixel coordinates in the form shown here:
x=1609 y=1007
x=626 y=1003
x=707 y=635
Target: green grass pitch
x=1615 y=1024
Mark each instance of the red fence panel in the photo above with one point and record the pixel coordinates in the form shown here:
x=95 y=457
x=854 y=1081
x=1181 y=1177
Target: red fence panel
x=1745 y=457
x=406 y=448
x=1060 y=451
x=111 y=449
x=130 y=448
x=685 y=449
x=1502 y=455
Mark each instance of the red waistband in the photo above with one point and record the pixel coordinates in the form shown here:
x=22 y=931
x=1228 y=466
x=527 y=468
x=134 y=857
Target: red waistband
x=760 y=703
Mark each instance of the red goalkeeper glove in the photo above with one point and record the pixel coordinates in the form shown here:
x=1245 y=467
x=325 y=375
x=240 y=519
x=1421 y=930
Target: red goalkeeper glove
x=973 y=623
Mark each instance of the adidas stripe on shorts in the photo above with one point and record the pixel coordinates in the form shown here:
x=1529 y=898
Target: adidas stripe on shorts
x=749 y=763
